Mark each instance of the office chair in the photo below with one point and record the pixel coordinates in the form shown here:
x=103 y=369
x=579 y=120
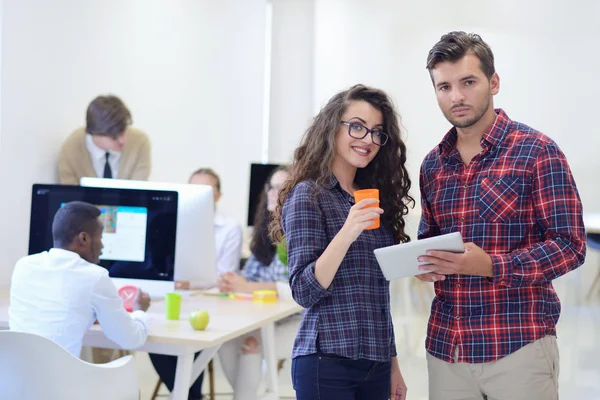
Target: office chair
x=34 y=367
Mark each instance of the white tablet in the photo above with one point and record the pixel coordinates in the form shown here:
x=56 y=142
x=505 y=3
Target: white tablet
x=400 y=261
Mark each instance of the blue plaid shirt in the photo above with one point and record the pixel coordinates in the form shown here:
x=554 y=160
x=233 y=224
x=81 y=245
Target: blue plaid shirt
x=352 y=317
x=255 y=271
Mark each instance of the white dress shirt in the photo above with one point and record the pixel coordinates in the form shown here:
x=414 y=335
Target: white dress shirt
x=59 y=295
x=228 y=243
x=98 y=156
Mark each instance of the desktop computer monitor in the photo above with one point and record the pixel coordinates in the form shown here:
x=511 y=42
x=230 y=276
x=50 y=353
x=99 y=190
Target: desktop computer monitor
x=139 y=230
x=195 y=258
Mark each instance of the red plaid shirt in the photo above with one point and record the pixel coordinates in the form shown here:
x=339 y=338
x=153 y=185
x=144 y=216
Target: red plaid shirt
x=518 y=201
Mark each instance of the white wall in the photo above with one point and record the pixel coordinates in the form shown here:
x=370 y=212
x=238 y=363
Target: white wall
x=190 y=71
x=546 y=56
x=291 y=76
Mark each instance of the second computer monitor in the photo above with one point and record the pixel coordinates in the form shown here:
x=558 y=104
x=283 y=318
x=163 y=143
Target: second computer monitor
x=195 y=258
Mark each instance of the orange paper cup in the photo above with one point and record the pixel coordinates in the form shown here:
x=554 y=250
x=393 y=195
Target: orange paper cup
x=368 y=194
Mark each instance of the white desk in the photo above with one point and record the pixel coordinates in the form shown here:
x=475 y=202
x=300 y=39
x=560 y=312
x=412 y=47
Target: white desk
x=228 y=319
x=591 y=222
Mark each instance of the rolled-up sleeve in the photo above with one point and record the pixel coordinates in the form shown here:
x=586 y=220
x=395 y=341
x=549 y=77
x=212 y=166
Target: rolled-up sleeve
x=306 y=238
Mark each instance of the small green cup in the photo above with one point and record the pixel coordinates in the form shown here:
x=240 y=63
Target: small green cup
x=173 y=306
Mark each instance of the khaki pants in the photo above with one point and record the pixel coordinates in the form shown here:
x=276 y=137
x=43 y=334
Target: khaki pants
x=530 y=373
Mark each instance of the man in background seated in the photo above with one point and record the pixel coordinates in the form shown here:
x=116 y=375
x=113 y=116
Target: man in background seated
x=228 y=233
x=59 y=293
x=108 y=147
x=228 y=243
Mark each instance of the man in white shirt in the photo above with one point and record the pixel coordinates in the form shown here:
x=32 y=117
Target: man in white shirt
x=228 y=243
x=59 y=293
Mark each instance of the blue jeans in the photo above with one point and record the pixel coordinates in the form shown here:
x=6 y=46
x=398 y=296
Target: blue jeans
x=332 y=377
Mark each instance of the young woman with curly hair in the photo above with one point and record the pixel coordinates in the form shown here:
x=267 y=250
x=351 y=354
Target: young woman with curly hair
x=346 y=339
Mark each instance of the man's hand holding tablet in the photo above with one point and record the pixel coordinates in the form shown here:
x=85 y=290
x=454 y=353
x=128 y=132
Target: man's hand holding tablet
x=403 y=260
x=473 y=261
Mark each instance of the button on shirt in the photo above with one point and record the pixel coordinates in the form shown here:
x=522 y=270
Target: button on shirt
x=98 y=157
x=59 y=295
x=352 y=317
x=517 y=200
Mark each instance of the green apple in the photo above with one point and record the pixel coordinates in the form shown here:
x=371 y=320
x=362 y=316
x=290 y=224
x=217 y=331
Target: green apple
x=199 y=320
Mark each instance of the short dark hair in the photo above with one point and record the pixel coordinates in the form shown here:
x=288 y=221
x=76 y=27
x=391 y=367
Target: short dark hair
x=108 y=116
x=72 y=219
x=455 y=45
x=209 y=172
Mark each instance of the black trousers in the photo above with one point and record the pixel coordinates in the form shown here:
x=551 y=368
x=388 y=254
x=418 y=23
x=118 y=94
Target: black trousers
x=165 y=366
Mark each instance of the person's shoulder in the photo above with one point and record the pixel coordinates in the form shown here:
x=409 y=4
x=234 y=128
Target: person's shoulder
x=94 y=268
x=524 y=135
x=31 y=259
x=303 y=190
x=62 y=257
x=136 y=135
x=75 y=140
x=93 y=274
x=431 y=164
x=433 y=156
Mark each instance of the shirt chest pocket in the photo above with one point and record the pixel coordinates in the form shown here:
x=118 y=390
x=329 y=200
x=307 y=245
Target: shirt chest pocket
x=499 y=198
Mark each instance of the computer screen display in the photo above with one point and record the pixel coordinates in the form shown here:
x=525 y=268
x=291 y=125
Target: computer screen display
x=139 y=227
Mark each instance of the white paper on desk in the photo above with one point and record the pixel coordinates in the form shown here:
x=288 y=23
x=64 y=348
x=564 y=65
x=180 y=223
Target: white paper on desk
x=213 y=292
x=401 y=260
x=216 y=292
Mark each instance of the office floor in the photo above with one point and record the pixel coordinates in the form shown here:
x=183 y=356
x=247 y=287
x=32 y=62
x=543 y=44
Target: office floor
x=578 y=340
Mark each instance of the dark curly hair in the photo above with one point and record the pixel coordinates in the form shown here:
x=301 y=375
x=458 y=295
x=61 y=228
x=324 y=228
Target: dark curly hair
x=387 y=172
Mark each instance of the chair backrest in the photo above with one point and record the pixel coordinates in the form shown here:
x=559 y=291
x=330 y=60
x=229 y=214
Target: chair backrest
x=33 y=367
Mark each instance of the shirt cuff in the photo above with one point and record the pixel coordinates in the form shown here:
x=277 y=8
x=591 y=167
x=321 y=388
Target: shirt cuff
x=502 y=269
x=317 y=292
x=142 y=317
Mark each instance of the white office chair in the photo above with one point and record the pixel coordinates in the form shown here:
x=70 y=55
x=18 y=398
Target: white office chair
x=33 y=367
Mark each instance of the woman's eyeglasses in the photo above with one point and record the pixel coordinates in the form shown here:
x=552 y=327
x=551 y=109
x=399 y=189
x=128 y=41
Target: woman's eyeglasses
x=358 y=131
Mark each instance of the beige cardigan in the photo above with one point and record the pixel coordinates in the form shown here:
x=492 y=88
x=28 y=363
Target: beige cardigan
x=74 y=160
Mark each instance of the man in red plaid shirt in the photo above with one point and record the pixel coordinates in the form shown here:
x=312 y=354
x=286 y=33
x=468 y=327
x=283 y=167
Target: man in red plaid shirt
x=508 y=189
